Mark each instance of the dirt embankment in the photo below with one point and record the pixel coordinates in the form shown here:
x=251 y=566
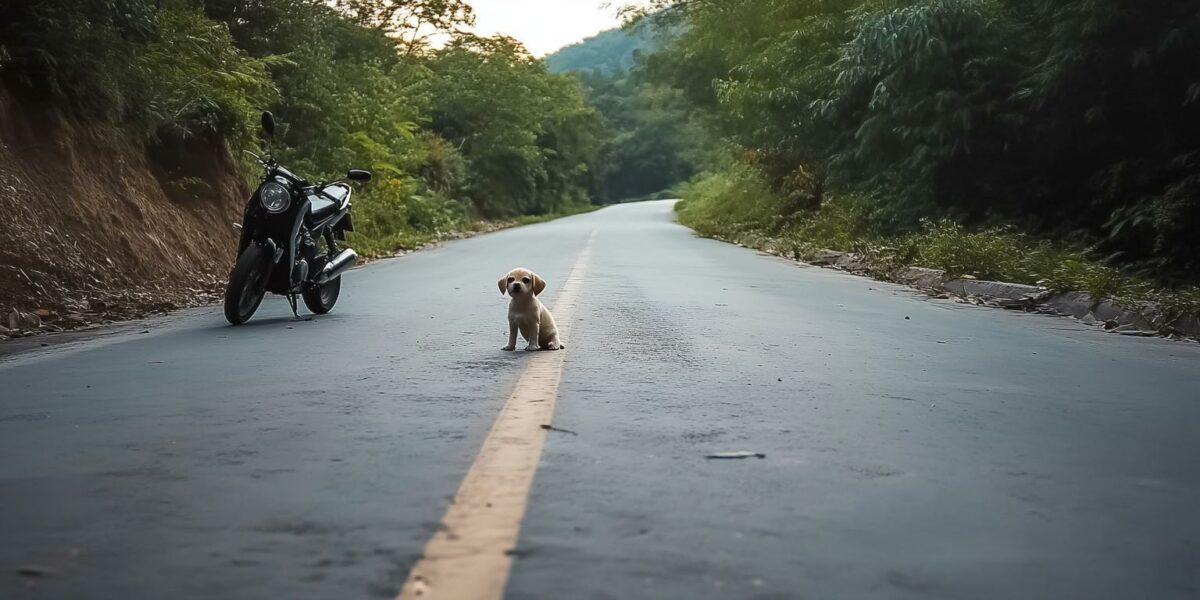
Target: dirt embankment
x=98 y=225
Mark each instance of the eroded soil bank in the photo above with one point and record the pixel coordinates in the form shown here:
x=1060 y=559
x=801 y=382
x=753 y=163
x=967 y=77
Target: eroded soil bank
x=100 y=226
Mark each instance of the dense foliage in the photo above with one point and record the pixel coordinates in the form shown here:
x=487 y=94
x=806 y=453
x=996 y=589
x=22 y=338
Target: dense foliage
x=476 y=128
x=1073 y=120
x=1076 y=121
x=655 y=129
x=529 y=137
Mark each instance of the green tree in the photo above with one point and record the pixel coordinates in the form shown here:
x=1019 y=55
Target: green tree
x=1113 y=97
x=411 y=23
x=530 y=140
x=920 y=95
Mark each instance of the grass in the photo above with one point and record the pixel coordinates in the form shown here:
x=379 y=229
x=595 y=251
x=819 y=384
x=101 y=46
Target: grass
x=668 y=194
x=375 y=247
x=374 y=243
x=737 y=206
x=531 y=219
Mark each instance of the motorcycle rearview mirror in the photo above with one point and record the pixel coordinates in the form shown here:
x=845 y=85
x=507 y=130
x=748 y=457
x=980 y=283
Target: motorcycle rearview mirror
x=268 y=124
x=358 y=175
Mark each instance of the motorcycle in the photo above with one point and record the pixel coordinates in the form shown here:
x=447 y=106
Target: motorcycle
x=285 y=223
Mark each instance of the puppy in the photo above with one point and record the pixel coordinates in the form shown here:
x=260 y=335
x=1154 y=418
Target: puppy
x=526 y=312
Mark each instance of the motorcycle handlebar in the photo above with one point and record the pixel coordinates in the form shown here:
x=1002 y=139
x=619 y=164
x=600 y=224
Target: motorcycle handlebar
x=318 y=188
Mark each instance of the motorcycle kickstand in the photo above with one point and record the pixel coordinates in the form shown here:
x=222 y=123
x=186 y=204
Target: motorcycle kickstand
x=292 y=301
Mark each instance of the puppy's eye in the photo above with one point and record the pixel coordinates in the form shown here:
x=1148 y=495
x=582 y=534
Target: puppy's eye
x=525 y=279
x=510 y=279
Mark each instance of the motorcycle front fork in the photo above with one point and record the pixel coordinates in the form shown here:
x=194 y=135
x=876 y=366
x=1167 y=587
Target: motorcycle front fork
x=331 y=251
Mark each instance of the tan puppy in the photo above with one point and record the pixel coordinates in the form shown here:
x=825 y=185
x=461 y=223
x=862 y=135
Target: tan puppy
x=526 y=312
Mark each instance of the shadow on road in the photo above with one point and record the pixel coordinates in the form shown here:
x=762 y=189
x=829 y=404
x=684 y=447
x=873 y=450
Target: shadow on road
x=280 y=320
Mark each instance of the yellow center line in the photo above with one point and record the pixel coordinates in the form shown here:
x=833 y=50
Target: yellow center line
x=468 y=557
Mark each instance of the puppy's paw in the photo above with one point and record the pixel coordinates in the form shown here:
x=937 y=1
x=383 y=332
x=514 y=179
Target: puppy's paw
x=553 y=346
x=509 y=348
x=532 y=347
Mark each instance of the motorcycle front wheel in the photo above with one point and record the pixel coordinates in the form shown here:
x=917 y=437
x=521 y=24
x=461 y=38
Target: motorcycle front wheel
x=247 y=285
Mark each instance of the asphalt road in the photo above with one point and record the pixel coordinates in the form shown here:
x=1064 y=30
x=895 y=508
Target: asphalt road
x=915 y=448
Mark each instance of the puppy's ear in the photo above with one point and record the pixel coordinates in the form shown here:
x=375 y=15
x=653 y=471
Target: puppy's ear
x=503 y=288
x=539 y=284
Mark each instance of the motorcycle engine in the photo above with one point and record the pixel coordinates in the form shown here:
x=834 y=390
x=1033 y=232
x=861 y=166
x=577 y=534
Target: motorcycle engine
x=306 y=255
x=300 y=270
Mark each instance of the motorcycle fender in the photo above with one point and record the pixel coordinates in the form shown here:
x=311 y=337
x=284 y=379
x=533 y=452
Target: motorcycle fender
x=247 y=234
x=271 y=248
x=274 y=252
x=341 y=224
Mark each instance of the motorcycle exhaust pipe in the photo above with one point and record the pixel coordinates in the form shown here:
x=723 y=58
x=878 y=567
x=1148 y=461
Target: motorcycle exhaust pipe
x=334 y=268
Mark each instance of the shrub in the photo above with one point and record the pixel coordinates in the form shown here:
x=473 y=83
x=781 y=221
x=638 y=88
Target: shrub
x=729 y=202
x=946 y=245
x=191 y=79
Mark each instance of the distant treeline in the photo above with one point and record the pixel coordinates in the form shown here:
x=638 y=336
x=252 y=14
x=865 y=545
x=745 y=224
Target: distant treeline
x=1076 y=120
x=655 y=131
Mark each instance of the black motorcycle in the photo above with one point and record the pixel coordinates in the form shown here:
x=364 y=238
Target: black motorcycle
x=285 y=225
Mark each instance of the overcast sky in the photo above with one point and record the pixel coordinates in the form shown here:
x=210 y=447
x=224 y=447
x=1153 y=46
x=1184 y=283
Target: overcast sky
x=545 y=25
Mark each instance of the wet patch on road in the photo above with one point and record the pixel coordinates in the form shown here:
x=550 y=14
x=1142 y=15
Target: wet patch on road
x=303 y=527
x=27 y=417
x=152 y=473
x=642 y=332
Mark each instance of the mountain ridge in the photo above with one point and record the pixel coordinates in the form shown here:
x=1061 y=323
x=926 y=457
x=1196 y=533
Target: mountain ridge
x=612 y=50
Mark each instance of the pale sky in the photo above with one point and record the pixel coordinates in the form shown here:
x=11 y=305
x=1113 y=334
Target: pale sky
x=545 y=25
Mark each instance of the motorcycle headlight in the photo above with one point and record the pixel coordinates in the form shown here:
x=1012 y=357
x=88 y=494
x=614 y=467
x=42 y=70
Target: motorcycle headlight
x=274 y=197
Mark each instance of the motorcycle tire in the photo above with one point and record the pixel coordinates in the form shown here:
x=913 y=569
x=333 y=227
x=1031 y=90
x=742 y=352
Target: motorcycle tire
x=247 y=285
x=320 y=298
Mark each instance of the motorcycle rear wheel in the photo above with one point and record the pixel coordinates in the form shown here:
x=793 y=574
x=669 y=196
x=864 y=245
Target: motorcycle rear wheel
x=247 y=285
x=320 y=298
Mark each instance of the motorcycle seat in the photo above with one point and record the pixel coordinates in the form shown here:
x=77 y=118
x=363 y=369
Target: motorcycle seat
x=321 y=207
